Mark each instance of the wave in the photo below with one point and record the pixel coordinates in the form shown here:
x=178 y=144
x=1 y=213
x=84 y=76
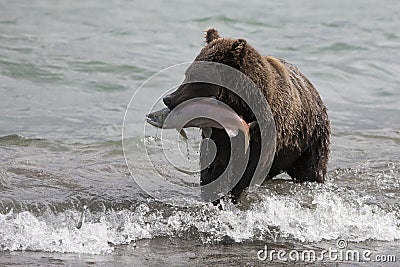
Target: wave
x=20 y=140
x=326 y=215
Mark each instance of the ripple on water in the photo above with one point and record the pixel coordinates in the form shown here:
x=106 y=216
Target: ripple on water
x=341 y=47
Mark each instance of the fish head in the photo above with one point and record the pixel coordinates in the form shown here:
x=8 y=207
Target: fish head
x=157 y=118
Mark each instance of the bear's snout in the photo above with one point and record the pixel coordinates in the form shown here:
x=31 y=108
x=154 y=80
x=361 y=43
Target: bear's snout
x=168 y=100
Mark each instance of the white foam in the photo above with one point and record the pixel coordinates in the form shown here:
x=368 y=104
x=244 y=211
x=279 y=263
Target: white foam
x=23 y=231
x=327 y=217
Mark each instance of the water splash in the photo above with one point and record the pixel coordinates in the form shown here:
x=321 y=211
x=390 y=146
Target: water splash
x=325 y=215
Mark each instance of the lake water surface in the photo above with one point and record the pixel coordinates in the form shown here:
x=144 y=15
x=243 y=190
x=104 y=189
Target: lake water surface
x=67 y=72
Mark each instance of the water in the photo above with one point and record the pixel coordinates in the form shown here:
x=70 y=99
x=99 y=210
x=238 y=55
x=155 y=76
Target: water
x=67 y=72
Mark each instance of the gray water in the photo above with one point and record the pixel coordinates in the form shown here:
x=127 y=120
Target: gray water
x=67 y=72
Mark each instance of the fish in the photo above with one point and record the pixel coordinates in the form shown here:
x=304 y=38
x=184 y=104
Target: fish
x=198 y=113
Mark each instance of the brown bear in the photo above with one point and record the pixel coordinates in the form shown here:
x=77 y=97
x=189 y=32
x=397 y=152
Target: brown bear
x=301 y=119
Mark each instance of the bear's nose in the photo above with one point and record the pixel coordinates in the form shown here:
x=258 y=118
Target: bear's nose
x=167 y=100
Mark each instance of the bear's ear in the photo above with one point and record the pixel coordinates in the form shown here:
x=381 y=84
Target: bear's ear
x=211 y=35
x=239 y=48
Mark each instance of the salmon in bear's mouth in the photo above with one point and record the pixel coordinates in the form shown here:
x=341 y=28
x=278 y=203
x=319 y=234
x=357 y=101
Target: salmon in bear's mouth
x=204 y=113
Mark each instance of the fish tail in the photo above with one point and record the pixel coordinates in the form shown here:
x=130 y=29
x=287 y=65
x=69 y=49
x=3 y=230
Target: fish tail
x=246 y=135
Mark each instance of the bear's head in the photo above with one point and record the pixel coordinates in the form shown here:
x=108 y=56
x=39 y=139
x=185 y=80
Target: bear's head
x=236 y=53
